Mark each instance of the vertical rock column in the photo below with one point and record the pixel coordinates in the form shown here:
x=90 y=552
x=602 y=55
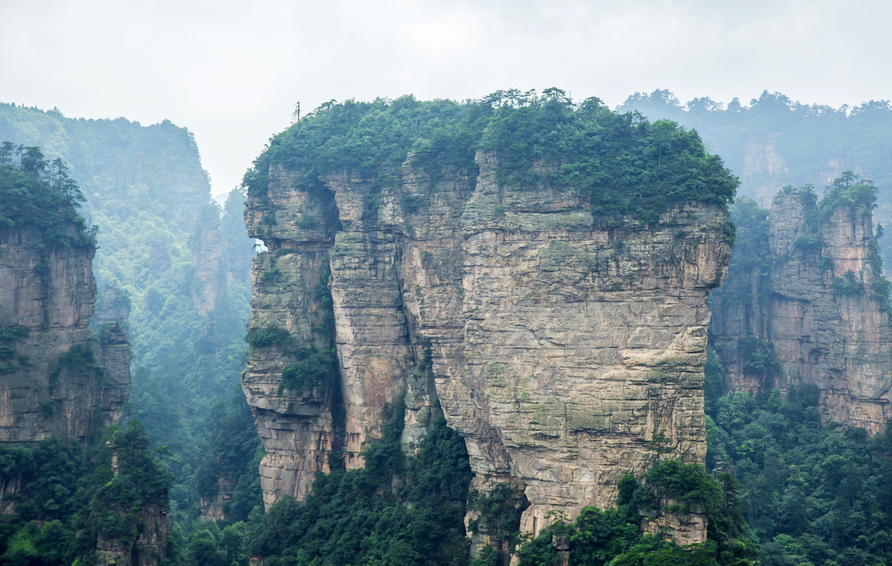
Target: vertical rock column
x=558 y=347
x=290 y=310
x=858 y=377
x=817 y=312
x=370 y=328
x=57 y=378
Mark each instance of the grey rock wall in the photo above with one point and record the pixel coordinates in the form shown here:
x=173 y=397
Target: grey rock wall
x=819 y=334
x=57 y=377
x=559 y=346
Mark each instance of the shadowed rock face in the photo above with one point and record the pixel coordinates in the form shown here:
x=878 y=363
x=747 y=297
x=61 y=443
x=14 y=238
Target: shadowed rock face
x=837 y=338
x=58 y=378
x=559 y=346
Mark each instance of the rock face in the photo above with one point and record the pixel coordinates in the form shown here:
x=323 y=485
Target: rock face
x=808 y=312
x=58 y=378
x=558 y=347
x=763 y=167
x=209 y=278
x=687 y=527
x=213 y=507
x=148 y=548
x=113 y=305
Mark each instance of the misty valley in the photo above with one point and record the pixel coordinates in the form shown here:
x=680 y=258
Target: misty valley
x=522 y=329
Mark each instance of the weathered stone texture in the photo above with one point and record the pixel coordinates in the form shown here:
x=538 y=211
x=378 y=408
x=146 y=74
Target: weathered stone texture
x=686 y=527
x=214 y=507
x=147 y=548
x=558 y=346
x=50 y=305
x=839 y=341
x=209 y=277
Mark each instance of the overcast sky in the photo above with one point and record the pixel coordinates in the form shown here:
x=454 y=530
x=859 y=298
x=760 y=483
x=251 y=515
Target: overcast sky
x=231 y=72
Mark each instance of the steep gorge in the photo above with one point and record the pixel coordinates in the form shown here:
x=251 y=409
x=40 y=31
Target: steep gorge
x=560 y=344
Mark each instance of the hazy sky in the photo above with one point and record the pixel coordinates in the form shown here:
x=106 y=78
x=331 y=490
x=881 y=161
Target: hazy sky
x=232 y=72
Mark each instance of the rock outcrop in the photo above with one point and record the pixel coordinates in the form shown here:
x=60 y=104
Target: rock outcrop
x=557 y=346
x=209 y=276
x=147 y=548
x=59 y=378
x=213 y=507
x=810 y=309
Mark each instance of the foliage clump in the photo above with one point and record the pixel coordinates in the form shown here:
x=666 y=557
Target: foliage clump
x=37 y=194
x=392 y=512
x=622 y=163
x=310 y=370
x=80 y=361
x=69 y=496
x=267 y=336
x=499 y=511
x=613 y=536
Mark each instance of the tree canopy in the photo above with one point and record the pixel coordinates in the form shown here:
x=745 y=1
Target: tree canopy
x=623 y=163
x=38 y=194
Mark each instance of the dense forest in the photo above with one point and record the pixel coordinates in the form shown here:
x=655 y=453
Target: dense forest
x=779 y=486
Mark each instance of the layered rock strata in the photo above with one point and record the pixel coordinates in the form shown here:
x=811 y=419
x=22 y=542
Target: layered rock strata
x=557 y=346
x=59 y=378
x=810 y=310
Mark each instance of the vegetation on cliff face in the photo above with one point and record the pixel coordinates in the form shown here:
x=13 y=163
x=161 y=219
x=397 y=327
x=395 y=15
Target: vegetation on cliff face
x=614 y=536
x=145 y=187
x=41 y=196
x=69 y=497
x=623 y=164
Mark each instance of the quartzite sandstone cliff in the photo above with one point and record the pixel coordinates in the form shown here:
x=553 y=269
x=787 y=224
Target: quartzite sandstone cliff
x=559 y=346
x=58 y=378
x=808 y=312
